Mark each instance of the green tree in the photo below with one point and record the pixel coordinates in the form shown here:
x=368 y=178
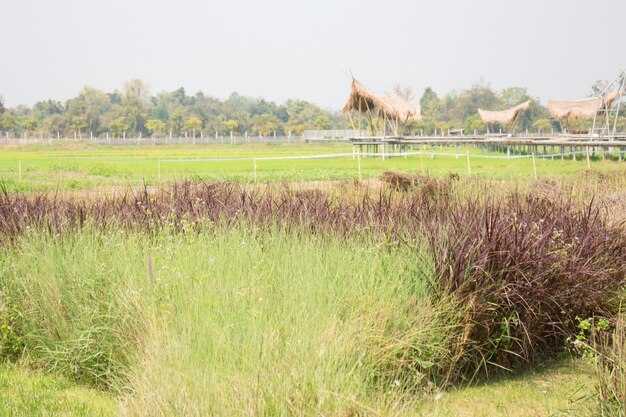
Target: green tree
x=135 y=103
x=194 y=124
x=302 y=115
x=429 y=104
x=542 y=125
x=77 y=124
x=2 y=109
x=47 y=108
x=231 y=125
x=27 y=123
x=8 y=122
x=432 y=110
x=265 y=124
x=155 y=126
x=160 y=111
x=118 y=127
x=54 y=124
x=322 y=122
x=512 y=96
x=475 y=123
x=469 y=101
x=177 y=121
x=90 y=106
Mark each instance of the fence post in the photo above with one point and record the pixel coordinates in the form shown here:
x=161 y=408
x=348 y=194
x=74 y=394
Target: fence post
x=255 y=179
x=534 y=166
x=358 y=163
x=469 y=169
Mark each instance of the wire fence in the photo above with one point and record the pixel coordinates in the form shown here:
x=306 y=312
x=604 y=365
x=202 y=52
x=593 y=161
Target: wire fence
x=188 y=140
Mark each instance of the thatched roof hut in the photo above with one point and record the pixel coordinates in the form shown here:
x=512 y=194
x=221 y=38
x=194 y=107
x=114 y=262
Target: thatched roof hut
x=389 y=108
x=503 y=116
x=581 y=109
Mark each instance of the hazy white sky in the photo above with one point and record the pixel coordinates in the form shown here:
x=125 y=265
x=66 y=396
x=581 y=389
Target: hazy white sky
x=279 y=49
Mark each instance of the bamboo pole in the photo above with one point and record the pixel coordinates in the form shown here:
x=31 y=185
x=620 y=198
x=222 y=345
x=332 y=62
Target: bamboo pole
x=360 y=117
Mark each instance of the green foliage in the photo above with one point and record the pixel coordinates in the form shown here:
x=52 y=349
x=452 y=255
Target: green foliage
x=193 y=124
x=231 y=125
x=430 y=104
x=135 y=104
x=542 y=125
x=44 y=109
x=86 y=111
x=177 y=121
x=322 y=122
x=513 y=96
x=265 y=124
x=470 y=100
x=119 y=126
x=27 y=123
x=95 y=111
x=155 y=126
x=475 y=123
x=8 y=122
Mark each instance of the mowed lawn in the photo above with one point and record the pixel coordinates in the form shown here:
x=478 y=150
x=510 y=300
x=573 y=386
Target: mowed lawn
x=86 y=166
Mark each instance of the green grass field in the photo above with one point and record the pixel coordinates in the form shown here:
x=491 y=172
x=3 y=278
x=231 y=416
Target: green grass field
x=82 y=166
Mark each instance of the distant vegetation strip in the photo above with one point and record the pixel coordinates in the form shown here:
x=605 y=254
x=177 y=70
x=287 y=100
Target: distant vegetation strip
x=134 y=112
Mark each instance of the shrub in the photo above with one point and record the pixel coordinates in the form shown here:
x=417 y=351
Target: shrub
x=525 y=268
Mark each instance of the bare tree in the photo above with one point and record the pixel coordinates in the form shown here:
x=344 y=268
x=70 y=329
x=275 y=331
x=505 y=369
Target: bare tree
x=405 y=92
x=598 y=87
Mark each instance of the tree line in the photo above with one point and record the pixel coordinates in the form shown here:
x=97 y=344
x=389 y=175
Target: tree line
x=133 y=111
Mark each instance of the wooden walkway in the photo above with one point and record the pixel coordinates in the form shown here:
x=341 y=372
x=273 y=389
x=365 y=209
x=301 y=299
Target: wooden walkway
x=510 y=145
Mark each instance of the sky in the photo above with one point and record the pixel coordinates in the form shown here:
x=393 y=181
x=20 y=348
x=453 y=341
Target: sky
x=280 y=49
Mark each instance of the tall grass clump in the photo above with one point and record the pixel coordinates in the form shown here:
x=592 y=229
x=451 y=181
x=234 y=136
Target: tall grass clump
x=68 y=307
x=607 y=348
x=229 y=319
x=275 y=322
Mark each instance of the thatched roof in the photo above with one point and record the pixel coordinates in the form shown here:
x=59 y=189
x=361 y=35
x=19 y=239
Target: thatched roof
x=581 y=109
x=392 y=107
x=503 y=116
